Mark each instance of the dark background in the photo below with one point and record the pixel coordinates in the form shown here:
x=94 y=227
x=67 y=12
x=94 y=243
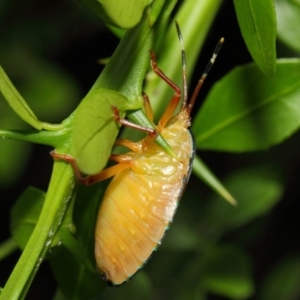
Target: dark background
x=65 y=33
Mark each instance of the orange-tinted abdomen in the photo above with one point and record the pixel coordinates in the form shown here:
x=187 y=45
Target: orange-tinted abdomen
x=143 y=195
x=139 y=204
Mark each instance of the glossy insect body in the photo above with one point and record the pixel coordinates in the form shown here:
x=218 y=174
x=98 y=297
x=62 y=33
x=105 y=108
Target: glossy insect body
x=140 y=202
x=143 y=195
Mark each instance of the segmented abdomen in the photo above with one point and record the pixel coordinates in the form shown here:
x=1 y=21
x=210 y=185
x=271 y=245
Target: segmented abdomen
x=138 y=205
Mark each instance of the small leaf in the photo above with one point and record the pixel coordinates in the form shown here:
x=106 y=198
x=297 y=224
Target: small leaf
x=25 y=214
x=246 y=111
x=73 y=264
x=288 y=19
x=95 y=129
x=283 y=281
x=7 y=247
x=51 y=92
x=257 y=190
x=75 y=280
x=226 y=271
x=14 y=155
x=16 y=102
x=122 y=14
x=257 y=20
x=140 y=287
x=206 y=175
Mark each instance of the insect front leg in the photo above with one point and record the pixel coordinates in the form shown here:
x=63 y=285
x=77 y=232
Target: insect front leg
x=150 y=131
x=177 y=95
x=91 y=179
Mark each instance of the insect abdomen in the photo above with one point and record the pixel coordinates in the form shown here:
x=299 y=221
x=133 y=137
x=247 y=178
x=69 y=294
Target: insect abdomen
x=138 y=206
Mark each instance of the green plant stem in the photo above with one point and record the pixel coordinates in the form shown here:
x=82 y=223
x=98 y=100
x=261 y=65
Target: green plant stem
x=57 y=199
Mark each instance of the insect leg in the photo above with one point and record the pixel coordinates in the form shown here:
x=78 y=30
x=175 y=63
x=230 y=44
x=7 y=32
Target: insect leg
x=91 y=179
x=148 y=108
x=177 y=95
x=135 y=147
x=152 y=132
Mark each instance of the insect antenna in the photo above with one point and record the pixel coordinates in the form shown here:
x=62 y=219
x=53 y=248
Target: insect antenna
x=203 y=76
x=183 y=59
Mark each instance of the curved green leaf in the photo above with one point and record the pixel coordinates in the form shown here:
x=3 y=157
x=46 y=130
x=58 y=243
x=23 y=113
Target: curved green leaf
x=16 y=102
x=95 y=129
x=7 y=247
x=257 y=20
x=288 y=20
x=124 y=74
x=207 y=176
x=257 y=190
x=122 y=14
x=75 y=280
x=246 y=111
x=25 y=214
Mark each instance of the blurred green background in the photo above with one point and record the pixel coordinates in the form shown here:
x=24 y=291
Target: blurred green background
x=50 y=51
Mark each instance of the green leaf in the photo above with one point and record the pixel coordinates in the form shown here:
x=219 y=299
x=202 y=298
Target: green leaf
x=95 y=129
x=14 y=155
x=226 y=271
x=25 y=214
x=75 y=280
x=85 y=215
x=246 y=111
x=140 y=287
x=7 y=247
x=283 y=281
x=207 y=176
x=257 y=20
x=257 y=190
x=76 y=276
x=50 y=91
x=288 y=21
x=121 y=86
x=16 y=102
x=122 y=14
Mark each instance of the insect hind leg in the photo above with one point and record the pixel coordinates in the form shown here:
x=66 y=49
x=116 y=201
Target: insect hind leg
x=91 y=179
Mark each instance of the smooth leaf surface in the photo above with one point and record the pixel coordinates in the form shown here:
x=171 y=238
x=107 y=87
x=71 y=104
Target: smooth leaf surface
x=16 y=102
x=288 y=21
x=226 y=271
x=74 y=274
x=95 y=129
x=246 y=111
x=257 y=20
x=75 y=280
x=50 y=91
x=124 y=73
x=140 y=287
x=14 y=155
x=122 y=14
x=257 y=190
x=207 y=176
x=25 y=214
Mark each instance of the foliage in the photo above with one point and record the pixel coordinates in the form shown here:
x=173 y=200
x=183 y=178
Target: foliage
x=209 y=249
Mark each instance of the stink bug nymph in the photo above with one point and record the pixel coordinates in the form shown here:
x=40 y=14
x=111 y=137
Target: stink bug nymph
x=141 y=199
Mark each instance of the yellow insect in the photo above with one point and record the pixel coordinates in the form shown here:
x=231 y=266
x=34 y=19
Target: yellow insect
x=147 y=183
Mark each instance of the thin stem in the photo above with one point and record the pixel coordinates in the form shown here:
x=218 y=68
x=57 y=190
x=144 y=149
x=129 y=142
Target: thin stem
x=52 y=127
x=59 y=193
